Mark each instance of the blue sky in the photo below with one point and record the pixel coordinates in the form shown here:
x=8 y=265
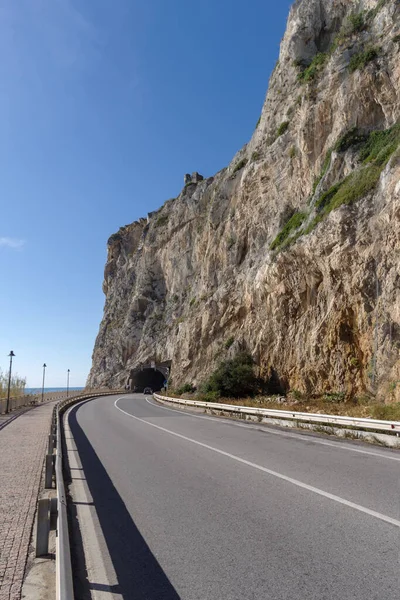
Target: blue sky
x=105 y=105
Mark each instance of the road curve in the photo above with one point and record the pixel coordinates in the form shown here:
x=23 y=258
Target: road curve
x=178 y=505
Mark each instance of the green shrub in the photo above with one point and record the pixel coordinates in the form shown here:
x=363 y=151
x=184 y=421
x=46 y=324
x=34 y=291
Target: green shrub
x=192 y=302
x=353 y=137
x=115 y=237
x=230 y=242
x=162 y=220
x=242 y=163
x=299 y=63
x=292 y=152
x=255 y=156
x=356 y=23
x=396 y=39
x=234 y=378
x=186 y=388
x=362 y=59
x=292 y=224
x=313 y=70
x=335 y=397
x=258 y=122
x=208 y=397
x=229 y=342
x=283 y=127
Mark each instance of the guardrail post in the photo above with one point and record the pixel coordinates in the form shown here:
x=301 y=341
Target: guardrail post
x=51 y=443
x=43 y=527
x=49 y=472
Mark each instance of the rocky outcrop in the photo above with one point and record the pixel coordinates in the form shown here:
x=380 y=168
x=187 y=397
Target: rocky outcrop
x=293 y=250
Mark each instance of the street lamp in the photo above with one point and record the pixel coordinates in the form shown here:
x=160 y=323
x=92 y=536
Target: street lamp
x=67 y=382
x=9 y=381
x=44 y=371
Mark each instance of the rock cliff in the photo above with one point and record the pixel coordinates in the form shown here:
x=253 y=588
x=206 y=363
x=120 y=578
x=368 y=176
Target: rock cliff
x=293 y=250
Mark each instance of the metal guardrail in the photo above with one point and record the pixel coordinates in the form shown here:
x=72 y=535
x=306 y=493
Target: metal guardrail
x=54 y=468
x=359 y=423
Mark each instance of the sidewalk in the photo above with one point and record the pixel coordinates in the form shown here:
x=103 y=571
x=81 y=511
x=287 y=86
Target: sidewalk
x=4 y=419
x=22 y=450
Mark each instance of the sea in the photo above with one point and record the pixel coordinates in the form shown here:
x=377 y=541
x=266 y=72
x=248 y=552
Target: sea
x=53 y=390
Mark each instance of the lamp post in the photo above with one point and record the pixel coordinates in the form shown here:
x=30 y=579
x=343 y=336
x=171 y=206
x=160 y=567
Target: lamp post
x=67 y=382
x=9 y=381
x=44 y=372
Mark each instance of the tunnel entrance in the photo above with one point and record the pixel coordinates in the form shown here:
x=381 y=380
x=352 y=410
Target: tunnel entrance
x=149 y=377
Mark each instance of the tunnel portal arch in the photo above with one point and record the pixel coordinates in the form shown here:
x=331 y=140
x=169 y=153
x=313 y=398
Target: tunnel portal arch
x=151 y=375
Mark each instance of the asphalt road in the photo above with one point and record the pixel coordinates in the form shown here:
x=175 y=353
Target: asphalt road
x=178 y=505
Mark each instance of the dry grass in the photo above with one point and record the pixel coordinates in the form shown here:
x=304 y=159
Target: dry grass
x=361 y=407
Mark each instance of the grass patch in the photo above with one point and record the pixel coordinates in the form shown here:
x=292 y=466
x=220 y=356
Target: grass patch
x=292 y=152
x=290 y=227
x=192 y=302
x=396 y=39
x=335 y=397
x=380 y=145
x=371 y=14
x=327 y=196
x=325 y=167
x=360 y=60
x=240 y=165
x=258 y=122
x=375 y=152
x=311 y=72
x=229 y=342
x=354 y=187
x=230 y=242
x=283 y=127
x=390 y=412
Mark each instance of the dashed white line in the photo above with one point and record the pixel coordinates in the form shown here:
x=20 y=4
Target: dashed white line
x=248 y=463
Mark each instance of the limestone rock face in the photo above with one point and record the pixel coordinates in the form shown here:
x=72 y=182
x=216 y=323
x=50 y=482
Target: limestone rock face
x=319 y=306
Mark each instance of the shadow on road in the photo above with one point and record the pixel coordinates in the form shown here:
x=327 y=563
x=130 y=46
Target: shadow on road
x=139 y=575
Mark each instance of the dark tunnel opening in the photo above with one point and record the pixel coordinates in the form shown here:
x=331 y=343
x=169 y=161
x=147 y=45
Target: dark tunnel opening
x=151 y=378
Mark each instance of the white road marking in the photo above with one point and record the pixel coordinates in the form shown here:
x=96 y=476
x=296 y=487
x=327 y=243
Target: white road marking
x=303 y=438
x=94 y=544
x=299 y=484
